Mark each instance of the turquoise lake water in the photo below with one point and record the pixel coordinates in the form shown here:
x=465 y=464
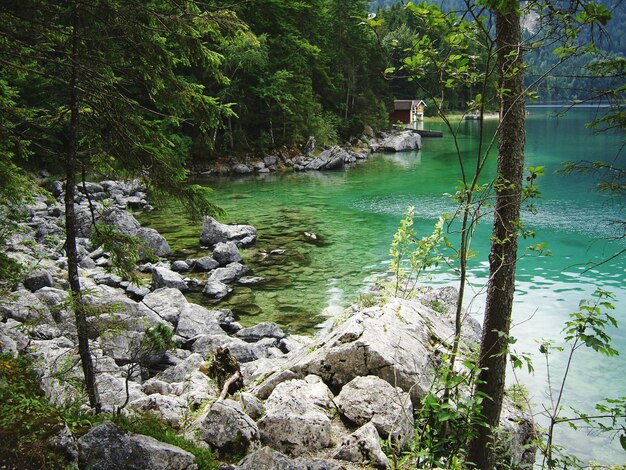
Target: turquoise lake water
x=355 y=212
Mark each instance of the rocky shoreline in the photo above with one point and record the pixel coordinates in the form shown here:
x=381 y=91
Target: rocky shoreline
x=307 y=403
x=310 y=158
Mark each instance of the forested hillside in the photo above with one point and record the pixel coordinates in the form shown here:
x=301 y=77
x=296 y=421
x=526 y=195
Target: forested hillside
x=274 y=72
x=567 y=82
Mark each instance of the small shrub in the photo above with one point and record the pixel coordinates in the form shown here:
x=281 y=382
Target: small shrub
x=438 y=306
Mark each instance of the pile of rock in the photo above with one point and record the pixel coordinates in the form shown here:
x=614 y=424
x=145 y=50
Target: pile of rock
x=310 y=403
x=331 y=158
x=321 y=402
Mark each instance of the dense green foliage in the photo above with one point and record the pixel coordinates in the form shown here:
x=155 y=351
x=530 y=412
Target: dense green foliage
x=28 y=422
x=27 y=419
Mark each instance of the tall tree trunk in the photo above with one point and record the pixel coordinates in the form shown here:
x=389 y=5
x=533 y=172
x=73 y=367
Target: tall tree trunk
x=70 y=223
x=503 y=256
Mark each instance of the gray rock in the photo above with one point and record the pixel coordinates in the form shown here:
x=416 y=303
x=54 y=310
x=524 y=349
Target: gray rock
x=265 y=389
x=180 y=266
x=270 y=161
x=56 y=188
x=399 y=342
x=182 y=371
x=371 y=399
x=122 y=220
x=87 y=263
x=196 y=320
x=241 y=169
x=260 y=331
x=171 y=410
x=38 y=279
x=163 y=277
x=112 y=391
x=251 y=405
x=167 y=302
x=205 y=264
x=152 y=242
x=363 y=447
x=250 y=280
x=90 y=188
x=108 y=279
x=243 y=352
x=155 y=386
x=404 y=141
x=226 y=252
x=216 y=289
x=331 y=159
x=297 y=417
x=107 y=447
x=229 y=273
x=122 y=346
x=137 y=291
x=227 y=428
x=23 y=305
x=214 y=232
x=135 y=202
x=267 y=458
x=63 y=443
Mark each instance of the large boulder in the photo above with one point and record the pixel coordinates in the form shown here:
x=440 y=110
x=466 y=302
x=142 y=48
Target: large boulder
x=260 y=331
x=37 y=280
x=297 y=417
x=267 y=458
x=226 y=253
x=204 y=264
x=216 y=289
x=107 y=447
x=228 y=274
x=196 y=320
x=112 y=391
x=372 y=400
x=400 y=342
x=402 y=142
x=244 y=352
x=163 y=277
x=214 y=232
x=331 y=159
x=152 y=242
x=169 y=409
x=363 y=447
x=167 y=302
x=226 y=427
x=122 y=220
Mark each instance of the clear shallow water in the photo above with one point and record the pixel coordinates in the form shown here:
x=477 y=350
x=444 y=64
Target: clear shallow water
x=355 y=212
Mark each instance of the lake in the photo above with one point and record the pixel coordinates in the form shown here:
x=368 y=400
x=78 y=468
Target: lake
x=355 y=212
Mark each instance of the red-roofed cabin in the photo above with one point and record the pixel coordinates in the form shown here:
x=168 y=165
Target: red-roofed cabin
x=407 y=111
